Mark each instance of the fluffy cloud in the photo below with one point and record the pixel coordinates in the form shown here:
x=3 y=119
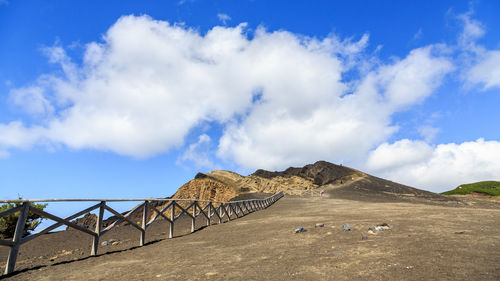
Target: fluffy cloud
x=487 y=70
x=437 y=168
x=16 y=135
x=199 y=153
x=482 y=65
x=224 y=18
x=428 y=132
x=300 y=121
x=140 y=91
x=472 y=30
x=281 y=98
x=31 y=100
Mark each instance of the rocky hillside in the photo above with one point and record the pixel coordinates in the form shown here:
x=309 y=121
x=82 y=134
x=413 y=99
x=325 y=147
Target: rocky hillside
x=338 y=181
x=319 y=173
x=205 y=187
x=308 y=177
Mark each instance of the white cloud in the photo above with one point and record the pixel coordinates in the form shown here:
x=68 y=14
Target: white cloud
x=199 y=153
x=31 y=100
x=16 y=135
x=141 y=99
x=302 y=121
x=224 y=18
x=418 y=34
x=472 y=30
x=428 y=132
x=437 y=168
x=481 y=66
x=403 y=152
x=280 y=98
x=487 y=70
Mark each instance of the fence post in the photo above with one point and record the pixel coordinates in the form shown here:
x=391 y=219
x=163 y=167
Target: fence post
x=18 y=234
x=172 y=216
x=144 y=218
x=98 y=227
x=228 y=213
x=209 y=212
x=193 y=221
x=220 y=212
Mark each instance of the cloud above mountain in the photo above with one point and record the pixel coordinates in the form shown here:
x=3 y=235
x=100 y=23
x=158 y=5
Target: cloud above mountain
x=281 y=98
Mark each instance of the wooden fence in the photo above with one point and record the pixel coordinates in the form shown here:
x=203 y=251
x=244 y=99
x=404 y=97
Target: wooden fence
x=189 y=207
x=304 y=192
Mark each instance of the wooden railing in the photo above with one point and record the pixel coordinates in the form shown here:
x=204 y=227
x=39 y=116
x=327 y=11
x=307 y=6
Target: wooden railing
x=189 y=207
x=304 y=192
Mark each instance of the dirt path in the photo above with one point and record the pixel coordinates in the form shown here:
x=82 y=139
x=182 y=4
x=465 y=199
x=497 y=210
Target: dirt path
x=423 y=245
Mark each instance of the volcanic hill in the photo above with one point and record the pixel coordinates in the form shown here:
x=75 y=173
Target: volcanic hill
x=336 y=180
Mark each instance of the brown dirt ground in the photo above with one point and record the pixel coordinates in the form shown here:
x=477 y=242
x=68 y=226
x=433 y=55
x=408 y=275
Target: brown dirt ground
x=423 y=245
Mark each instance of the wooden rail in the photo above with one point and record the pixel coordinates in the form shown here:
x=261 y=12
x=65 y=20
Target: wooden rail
x=208 y=209
x=304 y=192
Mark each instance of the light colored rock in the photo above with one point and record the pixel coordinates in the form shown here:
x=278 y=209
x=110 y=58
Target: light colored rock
x=346 y=227
x=299 y=229
x=384 y=226
x=373 y=231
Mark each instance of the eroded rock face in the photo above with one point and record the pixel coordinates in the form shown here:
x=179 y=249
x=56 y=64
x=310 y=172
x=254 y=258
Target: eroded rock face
x=205 y=188
x=319 y=173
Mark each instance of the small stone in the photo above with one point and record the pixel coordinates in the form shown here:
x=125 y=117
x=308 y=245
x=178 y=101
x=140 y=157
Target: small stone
x=384 y=226
x=460 y=232
x=319 y=225
x=364 y=237
x=299 y=229
x=208 y=274
x=110 y=241
x=346 y=227
x=373 y=231
x=329 y=233
x=115 y=243
x=105 y=243
x=336 y=253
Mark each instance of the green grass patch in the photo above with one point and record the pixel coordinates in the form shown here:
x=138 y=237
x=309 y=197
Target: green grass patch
x=486 y=187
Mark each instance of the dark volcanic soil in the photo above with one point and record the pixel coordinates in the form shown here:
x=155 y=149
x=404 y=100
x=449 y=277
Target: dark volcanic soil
x=320 y=173
x=373 y=189
x=427 y=242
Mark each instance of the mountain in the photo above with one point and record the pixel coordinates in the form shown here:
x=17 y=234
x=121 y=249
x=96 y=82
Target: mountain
x=336 y=180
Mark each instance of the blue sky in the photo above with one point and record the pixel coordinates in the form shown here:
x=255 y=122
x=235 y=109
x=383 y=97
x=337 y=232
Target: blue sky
x=132 y=99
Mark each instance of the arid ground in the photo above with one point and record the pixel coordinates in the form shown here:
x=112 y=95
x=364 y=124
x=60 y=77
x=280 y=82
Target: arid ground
x=427 y=242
